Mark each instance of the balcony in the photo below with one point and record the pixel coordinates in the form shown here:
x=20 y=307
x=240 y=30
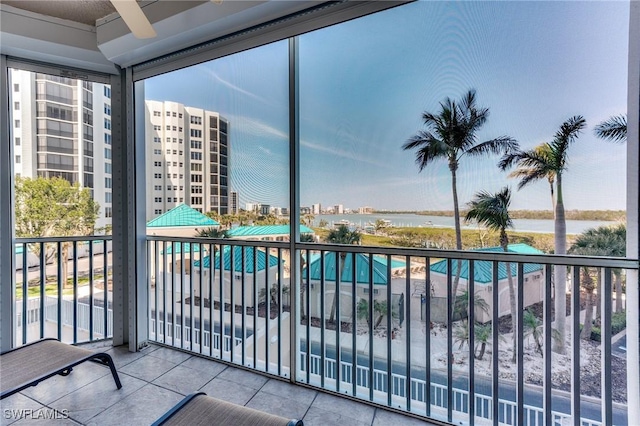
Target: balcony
x=259 y=322
x=193 y=343
x=156 y=378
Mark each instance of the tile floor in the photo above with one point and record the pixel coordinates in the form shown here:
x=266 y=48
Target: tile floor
x=155 y=379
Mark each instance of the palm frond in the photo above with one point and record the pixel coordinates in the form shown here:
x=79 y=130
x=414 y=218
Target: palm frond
x=566 y=134
x=429 y=148
x=491 y=210
x=613 y=129
x=501 y=145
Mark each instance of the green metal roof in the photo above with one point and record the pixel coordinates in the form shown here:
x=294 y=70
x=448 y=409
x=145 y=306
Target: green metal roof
x=483 y=270
x=361 y=264
x=181 y=215
x=180 y=247
x=237 y=259
x=264 y=230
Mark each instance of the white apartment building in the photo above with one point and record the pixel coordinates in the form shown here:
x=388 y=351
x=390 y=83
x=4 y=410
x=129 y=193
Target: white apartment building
x=62 y=128
x=233 y=202
x=316 y=208
x=338 y=209
x=187 y=158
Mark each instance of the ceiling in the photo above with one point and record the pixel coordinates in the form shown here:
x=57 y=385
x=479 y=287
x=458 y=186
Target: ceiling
x=90 y=35
x=81 y=11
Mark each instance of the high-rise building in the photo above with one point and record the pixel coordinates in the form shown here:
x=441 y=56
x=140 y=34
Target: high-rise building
x=316 y=208
x=338 y=209
x=187 y=158
x=62 y=128
x=233 y=202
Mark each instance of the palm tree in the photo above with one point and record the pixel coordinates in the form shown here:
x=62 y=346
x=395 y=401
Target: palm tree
x=482 y=335
x=544 y=162
x=212 y=233
x=533 y=327
x=602 y=241
x=478 y=303
x=613 y=129
x=450 y=135
x=341 y=235
x=492 y=211
x=526 y=174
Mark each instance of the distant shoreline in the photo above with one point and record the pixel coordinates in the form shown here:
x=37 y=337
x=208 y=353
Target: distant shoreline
x=602 y=215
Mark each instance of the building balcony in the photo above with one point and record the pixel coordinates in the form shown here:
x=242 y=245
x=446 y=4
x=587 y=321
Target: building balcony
x=247 y=322
x=156 y=378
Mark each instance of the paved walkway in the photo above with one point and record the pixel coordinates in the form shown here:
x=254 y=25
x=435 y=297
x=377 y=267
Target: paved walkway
x=157 y=378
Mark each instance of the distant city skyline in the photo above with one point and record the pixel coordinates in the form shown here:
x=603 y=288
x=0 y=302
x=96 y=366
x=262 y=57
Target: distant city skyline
x=364 y=85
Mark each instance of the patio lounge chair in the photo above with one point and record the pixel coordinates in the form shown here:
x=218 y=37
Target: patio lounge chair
x=30 y=364
x=200 y=409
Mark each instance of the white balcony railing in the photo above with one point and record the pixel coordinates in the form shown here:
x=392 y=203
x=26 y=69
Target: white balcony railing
x=411 y=350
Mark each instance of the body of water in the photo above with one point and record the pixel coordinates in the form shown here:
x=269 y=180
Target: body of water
x=415 y=220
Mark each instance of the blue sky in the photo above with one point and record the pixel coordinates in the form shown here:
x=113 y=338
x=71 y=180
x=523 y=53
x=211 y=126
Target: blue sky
x=364 y=85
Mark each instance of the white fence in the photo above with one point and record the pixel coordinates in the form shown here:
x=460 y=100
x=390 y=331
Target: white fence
x=33 y=315
x=533 y=416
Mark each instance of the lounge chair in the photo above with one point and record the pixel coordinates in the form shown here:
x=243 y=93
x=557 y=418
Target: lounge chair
x=200 y=409
x=32 y=363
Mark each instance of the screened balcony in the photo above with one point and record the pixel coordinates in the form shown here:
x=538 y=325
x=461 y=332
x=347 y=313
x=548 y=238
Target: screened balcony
x=258 y=322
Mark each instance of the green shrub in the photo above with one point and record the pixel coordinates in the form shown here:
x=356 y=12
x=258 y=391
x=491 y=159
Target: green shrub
x=618 y=323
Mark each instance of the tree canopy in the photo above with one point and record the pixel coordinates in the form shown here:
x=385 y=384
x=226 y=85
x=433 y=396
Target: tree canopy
x=48 y=207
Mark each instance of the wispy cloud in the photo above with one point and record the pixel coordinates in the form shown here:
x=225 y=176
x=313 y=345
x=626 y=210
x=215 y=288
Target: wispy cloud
x=265 y=150
x=232 y=86
x=341 y=153
x=255 y=127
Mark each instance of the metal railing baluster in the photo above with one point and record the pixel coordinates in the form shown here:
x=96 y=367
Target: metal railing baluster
x=605 y=349
x=43 y=267
x=173 y=294
x=427 y=307
x=575 y=345
x=451 y=299
x=389 y=332
x=222 y=302
x=280 y=307
x=547 y=320
x=495 y=355
x=354 y=325
x=232 y=302
x=212 y=271
x=75 y=292
x=244 y=305
x=105 y=268
x=308 y=311
x=407 y=302
x=25 y=292
x=59 y=256
x=323 y=324
x=371 y=360
x=520 y=341
x=337 y=323
x=91 y=291
x=191 y=296
x=156 y=255
x=255 y=308
x=471 y=319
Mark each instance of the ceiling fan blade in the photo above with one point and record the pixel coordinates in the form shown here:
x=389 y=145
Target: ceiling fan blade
x=132 y=15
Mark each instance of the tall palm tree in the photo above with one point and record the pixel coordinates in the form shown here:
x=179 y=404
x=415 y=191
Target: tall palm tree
x=341 y=235
x=543 y=162
x=613 y=129
x=492 y=211
x=450 y=135
x=540 y=170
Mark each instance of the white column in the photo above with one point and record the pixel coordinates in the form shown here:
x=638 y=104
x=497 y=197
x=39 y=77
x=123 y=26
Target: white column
x=6 y=209
x=633 y=180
